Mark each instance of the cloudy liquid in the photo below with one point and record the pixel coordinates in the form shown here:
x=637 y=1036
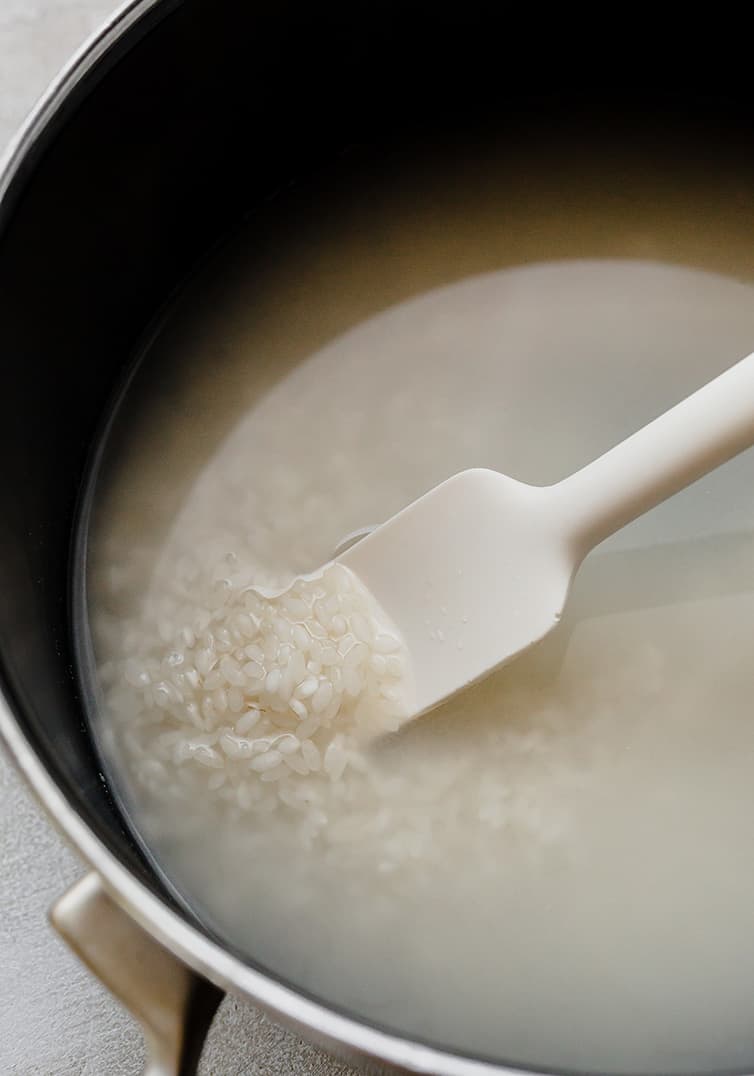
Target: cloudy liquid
x=555 y=869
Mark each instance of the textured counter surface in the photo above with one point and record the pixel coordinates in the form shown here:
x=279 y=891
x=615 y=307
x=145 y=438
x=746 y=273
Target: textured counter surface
x=55 y=1020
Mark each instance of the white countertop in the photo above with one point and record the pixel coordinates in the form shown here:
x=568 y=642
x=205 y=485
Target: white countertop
x=55 y=1020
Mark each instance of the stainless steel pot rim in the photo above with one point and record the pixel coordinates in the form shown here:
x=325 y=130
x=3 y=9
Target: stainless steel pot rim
x=165 y=926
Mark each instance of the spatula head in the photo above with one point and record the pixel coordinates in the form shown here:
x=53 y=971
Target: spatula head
x=471 y=574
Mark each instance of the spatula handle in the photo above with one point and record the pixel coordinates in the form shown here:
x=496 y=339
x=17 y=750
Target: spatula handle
x=694 y=437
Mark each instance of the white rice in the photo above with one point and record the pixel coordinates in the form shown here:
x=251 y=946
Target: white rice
x=523 y=873
x=268 y=689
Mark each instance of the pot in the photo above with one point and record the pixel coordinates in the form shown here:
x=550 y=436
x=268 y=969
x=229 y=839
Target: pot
x=176 y=121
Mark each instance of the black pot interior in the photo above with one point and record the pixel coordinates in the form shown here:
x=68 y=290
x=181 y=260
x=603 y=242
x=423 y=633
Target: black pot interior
x=195 y=120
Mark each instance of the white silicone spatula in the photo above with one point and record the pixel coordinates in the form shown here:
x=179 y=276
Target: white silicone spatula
x=478 y=569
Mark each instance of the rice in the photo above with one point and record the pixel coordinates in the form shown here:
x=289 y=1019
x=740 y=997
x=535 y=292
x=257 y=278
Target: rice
x=276 y=682
x=513 y=875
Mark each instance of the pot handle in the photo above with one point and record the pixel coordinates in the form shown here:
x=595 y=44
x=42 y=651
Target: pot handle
x=173 y=1004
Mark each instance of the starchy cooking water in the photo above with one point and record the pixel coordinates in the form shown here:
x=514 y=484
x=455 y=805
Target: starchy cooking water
x=556 y=868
